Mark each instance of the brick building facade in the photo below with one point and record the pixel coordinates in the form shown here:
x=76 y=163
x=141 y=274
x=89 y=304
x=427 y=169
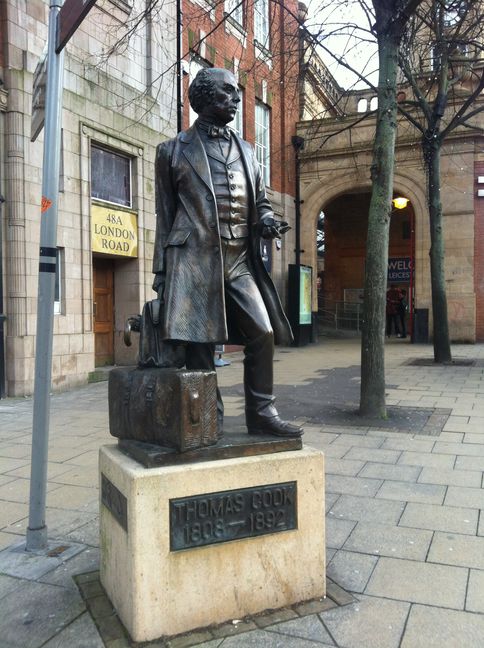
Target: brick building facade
x=258 y=41
x=119 y=102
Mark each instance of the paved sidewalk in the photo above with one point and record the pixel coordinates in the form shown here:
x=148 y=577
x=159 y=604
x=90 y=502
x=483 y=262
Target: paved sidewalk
x=405 y=530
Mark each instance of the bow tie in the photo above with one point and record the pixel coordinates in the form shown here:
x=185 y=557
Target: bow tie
x=219 y=131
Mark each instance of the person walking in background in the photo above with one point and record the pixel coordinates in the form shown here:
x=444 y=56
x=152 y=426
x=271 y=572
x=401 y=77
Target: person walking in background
x=402 y=313
x=394 y=295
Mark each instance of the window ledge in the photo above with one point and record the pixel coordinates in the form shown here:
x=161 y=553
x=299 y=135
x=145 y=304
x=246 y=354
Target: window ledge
x=208 y=5
x=124 y=5
x=234 y=28
x=263 y=53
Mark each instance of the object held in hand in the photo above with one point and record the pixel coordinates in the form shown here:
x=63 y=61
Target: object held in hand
x=282 y=226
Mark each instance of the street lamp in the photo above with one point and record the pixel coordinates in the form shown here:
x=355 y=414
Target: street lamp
x=400 y=202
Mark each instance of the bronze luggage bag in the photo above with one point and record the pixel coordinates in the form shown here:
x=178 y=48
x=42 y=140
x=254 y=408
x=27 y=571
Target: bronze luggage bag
x=174 y=408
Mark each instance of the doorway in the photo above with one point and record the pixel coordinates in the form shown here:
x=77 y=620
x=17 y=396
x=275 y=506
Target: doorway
x=103 y=311
x=341 y=250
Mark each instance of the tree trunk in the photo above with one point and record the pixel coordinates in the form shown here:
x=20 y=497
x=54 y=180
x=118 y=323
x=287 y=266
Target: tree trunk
x=442 y=353
x=372 y=397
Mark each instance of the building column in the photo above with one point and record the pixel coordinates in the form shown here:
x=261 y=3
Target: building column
x=15 y=218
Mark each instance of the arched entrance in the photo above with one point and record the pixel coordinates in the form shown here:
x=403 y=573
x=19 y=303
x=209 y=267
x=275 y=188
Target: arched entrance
x=340 y=242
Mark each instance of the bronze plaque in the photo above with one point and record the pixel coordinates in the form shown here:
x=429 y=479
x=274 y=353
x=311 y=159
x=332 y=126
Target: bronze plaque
x=229 y=515
x=115 y=501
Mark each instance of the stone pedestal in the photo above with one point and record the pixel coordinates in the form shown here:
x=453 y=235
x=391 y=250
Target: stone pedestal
x=160 y=587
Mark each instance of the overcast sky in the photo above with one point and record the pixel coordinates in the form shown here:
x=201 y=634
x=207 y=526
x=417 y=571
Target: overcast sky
x=342 y=25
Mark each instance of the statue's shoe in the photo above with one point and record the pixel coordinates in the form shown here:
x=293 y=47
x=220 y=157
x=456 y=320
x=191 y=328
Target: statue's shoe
x=274 y=426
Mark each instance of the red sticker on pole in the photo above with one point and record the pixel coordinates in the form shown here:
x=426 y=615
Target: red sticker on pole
x=45 y=204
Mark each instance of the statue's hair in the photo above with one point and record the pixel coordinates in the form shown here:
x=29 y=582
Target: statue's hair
x=202 y=90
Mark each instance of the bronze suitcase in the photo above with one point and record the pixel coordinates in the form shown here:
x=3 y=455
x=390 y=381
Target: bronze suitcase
x=174 y=408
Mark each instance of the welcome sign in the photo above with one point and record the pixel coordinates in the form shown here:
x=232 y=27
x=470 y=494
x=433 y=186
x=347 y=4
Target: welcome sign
x=399 y=269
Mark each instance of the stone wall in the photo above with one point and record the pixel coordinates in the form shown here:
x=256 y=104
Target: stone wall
x=341 y=165
x=124 y=101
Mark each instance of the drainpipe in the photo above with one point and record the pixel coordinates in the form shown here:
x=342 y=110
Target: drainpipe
x=298 y=144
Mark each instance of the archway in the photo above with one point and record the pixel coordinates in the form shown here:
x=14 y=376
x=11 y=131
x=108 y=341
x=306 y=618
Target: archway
x=339 y=250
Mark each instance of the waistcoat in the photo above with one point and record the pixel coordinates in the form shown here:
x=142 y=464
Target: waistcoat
x=230 y=187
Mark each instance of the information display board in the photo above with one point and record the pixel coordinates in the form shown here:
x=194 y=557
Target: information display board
x=305 y=294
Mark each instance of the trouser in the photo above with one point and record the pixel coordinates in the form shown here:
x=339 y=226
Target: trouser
x=393 y=318
x=403 y=323
x=248 y=319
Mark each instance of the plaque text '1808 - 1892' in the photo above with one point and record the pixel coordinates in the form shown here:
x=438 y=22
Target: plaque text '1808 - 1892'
x=230 y=515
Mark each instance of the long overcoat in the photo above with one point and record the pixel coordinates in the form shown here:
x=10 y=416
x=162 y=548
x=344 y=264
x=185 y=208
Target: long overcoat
x=187 y=244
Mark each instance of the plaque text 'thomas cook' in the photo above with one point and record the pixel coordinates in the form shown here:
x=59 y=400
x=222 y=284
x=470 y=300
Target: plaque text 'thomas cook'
x=230 y=515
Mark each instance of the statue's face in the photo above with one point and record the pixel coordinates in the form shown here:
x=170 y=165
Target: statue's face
x=226 y=100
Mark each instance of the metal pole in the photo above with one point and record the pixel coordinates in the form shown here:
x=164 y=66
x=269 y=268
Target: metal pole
x=36 y=538
x=298 y=144
x=2 y=315
x=179 y=75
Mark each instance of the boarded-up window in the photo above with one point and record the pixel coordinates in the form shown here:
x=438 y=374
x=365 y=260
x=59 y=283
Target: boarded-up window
x=110 y=176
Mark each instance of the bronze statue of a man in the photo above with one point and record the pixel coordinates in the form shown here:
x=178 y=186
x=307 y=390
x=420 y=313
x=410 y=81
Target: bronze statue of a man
x=211 y=209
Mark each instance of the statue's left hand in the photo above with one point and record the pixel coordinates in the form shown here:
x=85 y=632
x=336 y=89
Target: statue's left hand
x=268 y=228
x=159 y=286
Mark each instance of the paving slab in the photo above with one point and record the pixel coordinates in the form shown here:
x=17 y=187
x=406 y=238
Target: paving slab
x=409 y=443
x=475 y=592
x=353 y=440
x=19 y=490
x=347 y=467
x=337 y=531
x=450 y=477
x=258 y=638
x=396 y=542
x=185 y=641
x=352 y=485
x=374 y=454
x=427 y=493
x=72 y=497
x=11 y=512
x=309 y=627
x=454 y=549
x=8 y=584
x=390 y=471
x=370 y=623
x=351 y=570
x=472 y=449
x=432 y=627
x=431 y=459
x=286 y=614
x=417 y=582
x=452 y=437
x=7 y=538
x=469 y=463
x=27 y=622
x=350 y=507
x=83 y=563
x=17 y=562
x=81 y=633
x=87 y=534
x=440 y=518
x=460 y=496
x=331 y=499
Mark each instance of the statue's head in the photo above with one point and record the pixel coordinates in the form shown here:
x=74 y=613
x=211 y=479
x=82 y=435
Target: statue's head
x=214 y=95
